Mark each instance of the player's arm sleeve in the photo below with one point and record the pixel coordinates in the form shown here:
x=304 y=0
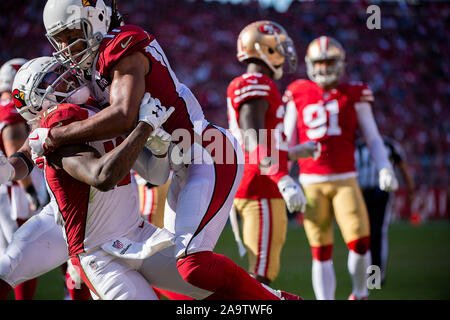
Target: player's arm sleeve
x=371 y=135
x=153 y=169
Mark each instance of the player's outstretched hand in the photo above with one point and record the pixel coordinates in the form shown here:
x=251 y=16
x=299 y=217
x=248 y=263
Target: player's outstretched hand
x=6 y=169
x=152 y=112
x=387 y=180
x=159 y=142
x=292 y=194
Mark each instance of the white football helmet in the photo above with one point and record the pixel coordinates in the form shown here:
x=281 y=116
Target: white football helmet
x=8 y=71
x=43 y=82
x=93 y=17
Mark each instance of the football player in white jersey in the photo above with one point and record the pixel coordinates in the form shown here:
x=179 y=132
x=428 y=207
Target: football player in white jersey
x=122 y=62
x=112 y=248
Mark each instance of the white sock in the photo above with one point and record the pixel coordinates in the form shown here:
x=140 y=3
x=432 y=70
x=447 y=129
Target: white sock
x=357 y=267
x=323 y=279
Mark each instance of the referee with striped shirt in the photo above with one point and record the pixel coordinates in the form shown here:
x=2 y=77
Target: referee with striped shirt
x=379 y=202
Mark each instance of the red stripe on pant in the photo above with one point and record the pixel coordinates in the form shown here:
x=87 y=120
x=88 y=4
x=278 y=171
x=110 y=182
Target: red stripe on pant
x=269 y=239
x=225 y=176
x=79 y=269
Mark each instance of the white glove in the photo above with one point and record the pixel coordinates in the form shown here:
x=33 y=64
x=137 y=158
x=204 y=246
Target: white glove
x=159 y=142
x=6 y=169
x=387 y=180
x=292 y=194
x=40 y=142
x=152 y=112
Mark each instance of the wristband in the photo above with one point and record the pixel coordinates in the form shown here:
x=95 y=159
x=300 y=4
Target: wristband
x=27 y=161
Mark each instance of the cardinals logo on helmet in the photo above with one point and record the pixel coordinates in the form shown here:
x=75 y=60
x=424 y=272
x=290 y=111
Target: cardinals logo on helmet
x=269 y=28
x=18 y=97
x=91 y=3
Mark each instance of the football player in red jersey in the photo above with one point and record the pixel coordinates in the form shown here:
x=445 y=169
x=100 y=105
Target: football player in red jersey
x=84 y=186
x=328 y=111
x=18 y=200
x=122 y=62
x=255 y=114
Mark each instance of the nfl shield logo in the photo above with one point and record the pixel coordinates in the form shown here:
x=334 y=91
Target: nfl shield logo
x=117 y=244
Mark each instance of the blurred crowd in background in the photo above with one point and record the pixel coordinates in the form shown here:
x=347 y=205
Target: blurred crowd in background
x=406 y=62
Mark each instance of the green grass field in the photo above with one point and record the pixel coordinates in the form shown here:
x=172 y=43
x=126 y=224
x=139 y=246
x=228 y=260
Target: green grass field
x=419 y=264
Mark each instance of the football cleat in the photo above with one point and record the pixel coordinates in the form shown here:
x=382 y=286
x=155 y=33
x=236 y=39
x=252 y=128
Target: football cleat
x=353 y=297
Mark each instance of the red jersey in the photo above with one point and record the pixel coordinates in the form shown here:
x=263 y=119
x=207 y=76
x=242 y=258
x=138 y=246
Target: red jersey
x=90 y=217
x=330 y=118
x=8 y=116
x=242 y=89
x=161 y=82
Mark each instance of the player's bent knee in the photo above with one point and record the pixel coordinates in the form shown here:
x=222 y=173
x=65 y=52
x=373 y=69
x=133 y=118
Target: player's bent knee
x=322 y=253
x=360 y=246
x=206 y=270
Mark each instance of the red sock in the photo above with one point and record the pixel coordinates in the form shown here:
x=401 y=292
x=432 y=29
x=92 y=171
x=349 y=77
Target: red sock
x=219 y=274
x=171 y=295
x=26 y=290
x=82 y=293
x=5 y=289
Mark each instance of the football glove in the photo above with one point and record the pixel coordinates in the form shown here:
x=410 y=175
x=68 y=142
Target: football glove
x=152 y=112
x=39 y=161
x=6 y=169
x=387 y=180
x=292 y=194
x=159 y=142
x=40 y=141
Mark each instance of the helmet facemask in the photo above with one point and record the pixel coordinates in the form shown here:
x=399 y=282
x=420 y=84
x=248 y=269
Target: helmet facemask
x=52 y=85
x=91 y=42
x=330 y=75
x=60 y=85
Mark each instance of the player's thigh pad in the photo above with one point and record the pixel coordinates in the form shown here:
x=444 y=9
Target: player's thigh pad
x=111 y=278
x=350 y=210
x=318 y=220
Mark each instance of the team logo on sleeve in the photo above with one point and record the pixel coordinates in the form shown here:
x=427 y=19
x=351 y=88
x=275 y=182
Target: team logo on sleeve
x=90 y=3
x=18 y=98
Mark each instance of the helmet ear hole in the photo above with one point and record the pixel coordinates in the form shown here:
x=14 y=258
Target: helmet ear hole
x=271 y=51
x=100 y=17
